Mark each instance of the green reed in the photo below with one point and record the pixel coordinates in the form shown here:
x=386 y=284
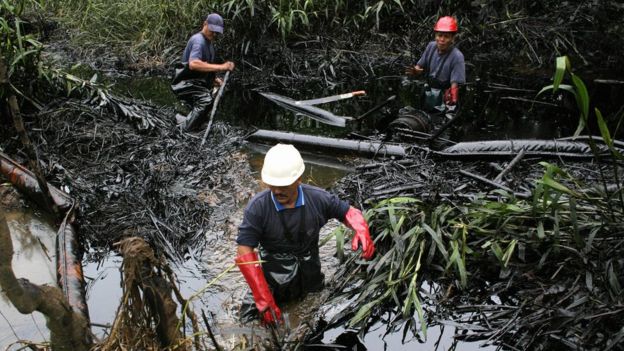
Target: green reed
x=153 y=28
x=454 y=243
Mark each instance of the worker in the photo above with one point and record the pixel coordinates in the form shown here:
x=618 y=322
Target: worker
x=283 y=222
x=443 y=66
x=195 y=77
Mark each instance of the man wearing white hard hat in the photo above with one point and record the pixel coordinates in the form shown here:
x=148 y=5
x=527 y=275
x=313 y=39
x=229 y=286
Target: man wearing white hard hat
x=283 y=223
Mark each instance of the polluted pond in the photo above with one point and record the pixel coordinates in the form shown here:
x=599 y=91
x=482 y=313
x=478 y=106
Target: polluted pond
x=481 y=244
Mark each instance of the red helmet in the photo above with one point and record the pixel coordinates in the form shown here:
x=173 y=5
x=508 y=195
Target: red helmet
x=446 y=24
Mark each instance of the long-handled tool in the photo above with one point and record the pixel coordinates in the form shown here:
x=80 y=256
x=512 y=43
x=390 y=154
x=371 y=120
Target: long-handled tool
x=214 y=106
x=331 y=98
x=313 y=112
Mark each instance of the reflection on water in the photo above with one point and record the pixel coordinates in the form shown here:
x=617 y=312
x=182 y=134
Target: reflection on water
x=439 y=338
x=33 y=259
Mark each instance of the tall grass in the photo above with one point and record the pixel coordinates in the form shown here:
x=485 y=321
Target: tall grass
x=462 y=246
x=154 y=27
x=24 y=73
x=19 y=51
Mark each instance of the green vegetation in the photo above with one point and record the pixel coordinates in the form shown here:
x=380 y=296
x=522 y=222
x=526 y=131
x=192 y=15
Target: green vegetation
x=566 y=237
x=19 y=52
x=153 y=28
x=25 y=73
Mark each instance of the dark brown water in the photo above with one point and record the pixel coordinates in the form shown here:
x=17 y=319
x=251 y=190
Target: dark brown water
x=34 y=259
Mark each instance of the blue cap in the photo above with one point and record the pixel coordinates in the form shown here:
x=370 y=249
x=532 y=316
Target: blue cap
x=215 y=23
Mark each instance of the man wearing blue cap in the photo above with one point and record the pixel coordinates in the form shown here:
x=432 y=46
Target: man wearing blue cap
x=196 y=76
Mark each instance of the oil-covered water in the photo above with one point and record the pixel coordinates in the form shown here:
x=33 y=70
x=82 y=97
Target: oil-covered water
x=33 y=238
x=488 y=115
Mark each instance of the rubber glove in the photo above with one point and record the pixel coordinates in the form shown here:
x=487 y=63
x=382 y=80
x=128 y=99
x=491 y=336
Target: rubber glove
x=451 y=95
x=355 y=220
x=259 y=288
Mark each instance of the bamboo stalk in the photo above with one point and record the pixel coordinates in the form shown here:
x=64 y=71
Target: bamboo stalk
x=31 y=152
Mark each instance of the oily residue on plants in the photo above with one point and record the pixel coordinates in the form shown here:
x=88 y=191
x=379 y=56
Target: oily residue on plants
x=539 y=272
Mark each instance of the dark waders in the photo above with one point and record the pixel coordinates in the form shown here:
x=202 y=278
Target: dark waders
x=195 y=92
x=292 y=268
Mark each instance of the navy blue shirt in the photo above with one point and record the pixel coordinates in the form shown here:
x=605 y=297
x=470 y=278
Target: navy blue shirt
x=453 y=70
x=262 y=224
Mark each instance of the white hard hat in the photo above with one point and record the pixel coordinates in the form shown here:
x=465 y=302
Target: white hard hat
x=282 y=166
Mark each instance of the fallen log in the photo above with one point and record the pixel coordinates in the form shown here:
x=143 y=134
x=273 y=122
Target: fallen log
x=68 y=256
x=362 y=147
x=69 y=273
x=27 y=183
x=69 y=330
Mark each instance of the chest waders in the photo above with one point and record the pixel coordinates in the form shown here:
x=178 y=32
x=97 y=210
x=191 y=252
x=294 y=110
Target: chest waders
x=434 y=88
x=293 y=266
x=195 y=90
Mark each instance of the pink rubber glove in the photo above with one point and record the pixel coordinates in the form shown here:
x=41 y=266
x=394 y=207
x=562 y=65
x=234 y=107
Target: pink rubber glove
x=355 y=220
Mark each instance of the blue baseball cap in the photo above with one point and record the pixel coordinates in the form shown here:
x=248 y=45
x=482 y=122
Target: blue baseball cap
x=215 y=23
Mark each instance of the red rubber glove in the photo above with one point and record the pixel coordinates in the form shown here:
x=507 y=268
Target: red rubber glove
x=355 y=220
x=451 y=95
x=259 y=288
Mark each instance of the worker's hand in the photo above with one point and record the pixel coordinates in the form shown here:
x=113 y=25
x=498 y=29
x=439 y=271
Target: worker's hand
x=217 y=82
x=451 y=95
x=228 y=66
x=414 y=70
x=249 y=265
x=355 y=221
x=272 y=315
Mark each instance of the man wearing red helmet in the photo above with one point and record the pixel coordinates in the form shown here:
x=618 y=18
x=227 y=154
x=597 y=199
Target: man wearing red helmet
x=443 y=65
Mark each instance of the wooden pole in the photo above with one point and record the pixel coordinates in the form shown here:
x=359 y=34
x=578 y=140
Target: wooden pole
x=511 y=164
x=214 y=106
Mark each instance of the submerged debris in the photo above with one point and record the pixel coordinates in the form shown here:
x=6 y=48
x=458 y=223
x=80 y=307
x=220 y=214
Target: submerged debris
x=146 y=318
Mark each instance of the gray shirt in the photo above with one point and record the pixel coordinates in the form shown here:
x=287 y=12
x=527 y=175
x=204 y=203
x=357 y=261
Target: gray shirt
x=453 y=69
x=262 y=224
x=199 y=48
